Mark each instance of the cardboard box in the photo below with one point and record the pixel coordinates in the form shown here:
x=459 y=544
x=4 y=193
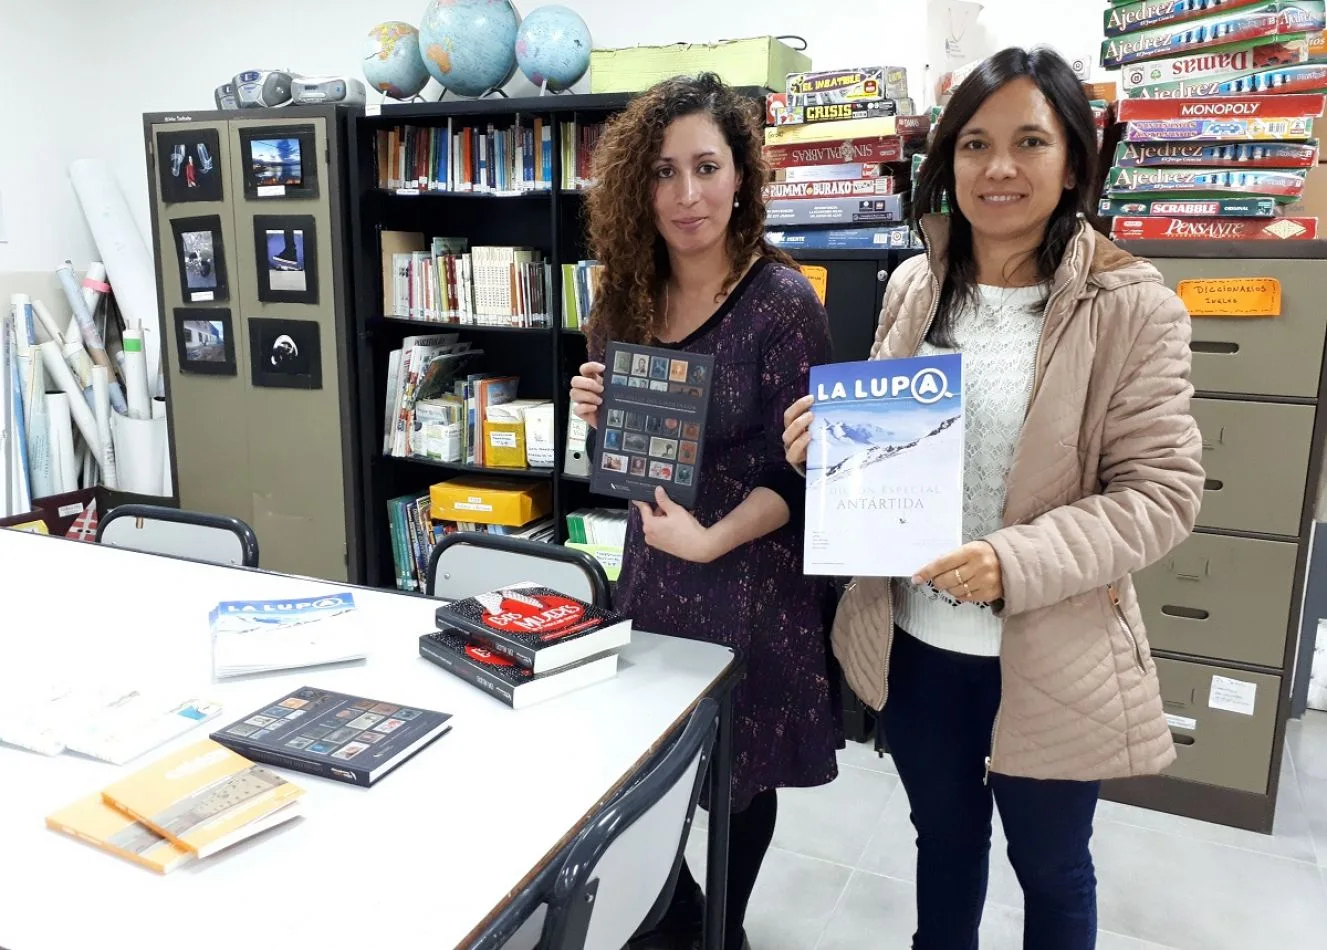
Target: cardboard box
x=763 y=62
x=867 y=84
x=843 y=212
x=1214 y=229
x=488 y=500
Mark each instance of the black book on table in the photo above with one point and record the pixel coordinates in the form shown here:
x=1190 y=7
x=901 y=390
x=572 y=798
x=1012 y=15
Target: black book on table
x=348 y=738
x=652 y=423
x=537 y=627
x=508 y=681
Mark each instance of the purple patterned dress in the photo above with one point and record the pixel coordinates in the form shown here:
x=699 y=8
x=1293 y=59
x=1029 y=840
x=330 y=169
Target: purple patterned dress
x=765 y=337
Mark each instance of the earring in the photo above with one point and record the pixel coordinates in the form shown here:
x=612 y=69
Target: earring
x=736 y=202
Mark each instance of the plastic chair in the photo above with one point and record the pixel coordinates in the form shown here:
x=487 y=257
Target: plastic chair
x=616 y=878
x=154 y=529
x=471 y=562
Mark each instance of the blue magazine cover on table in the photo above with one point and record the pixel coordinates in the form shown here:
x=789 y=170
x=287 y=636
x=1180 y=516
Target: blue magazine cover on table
x=884 y=470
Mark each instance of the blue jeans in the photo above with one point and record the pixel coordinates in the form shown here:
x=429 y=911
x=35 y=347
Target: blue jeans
x=938 y=721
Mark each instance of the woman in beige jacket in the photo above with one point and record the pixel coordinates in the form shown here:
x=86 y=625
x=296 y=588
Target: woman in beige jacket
x=1016 y=668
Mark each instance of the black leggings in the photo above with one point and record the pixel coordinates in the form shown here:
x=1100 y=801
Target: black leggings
x=749 y=837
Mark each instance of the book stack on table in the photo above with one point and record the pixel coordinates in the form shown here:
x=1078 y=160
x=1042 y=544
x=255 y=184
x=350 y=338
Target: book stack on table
x=839 y=144
x=526 y=643
x=1218 y=118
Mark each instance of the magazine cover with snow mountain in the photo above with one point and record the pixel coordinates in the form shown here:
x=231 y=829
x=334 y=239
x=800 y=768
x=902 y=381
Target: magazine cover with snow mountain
x=884 y=470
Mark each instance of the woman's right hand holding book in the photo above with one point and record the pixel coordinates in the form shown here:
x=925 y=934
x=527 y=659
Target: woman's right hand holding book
x=797 y=431
x=587 y=392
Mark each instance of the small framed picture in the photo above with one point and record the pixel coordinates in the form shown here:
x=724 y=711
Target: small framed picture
x=285 y=354
x=189 y=166
x=205 y=340
x=279 y=162
x=200 y=254
x=286 y=258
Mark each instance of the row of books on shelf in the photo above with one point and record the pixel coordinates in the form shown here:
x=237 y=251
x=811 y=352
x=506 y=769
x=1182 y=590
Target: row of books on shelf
x=493 y=159
x=580 y=284
x=444 y=280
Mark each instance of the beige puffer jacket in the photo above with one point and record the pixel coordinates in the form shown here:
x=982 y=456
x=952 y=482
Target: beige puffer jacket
x=1106 y=479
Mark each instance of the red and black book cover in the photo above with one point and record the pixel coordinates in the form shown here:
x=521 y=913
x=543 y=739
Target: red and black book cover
x=502 y=677
x=537 y=627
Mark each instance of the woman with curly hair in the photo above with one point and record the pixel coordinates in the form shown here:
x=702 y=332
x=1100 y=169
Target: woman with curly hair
x=677 y=221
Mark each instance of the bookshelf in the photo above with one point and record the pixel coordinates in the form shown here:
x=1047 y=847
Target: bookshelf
x=545 y=358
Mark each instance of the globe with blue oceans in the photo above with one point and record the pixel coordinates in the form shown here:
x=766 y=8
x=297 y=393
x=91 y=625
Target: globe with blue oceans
x=469 y=46
x=392 y=64
x=553 y=47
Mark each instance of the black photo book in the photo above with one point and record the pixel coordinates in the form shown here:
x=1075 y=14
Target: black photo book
x=348 y=738
x=652 y=422
x=504 y=678
x=538 y=628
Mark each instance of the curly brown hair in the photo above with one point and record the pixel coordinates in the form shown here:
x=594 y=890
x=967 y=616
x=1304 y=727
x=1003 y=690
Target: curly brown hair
x=620 y=210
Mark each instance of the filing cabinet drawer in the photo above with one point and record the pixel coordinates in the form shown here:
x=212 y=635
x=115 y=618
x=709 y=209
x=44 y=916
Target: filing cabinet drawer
x=1263 y=356
x=1220 y=597
x=1256 y=458
x=1222 y=721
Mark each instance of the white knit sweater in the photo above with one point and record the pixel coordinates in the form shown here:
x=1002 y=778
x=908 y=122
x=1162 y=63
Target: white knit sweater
x=998 y=341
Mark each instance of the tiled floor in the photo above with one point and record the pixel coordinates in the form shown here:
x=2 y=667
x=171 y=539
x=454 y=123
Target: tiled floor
x=840 y=873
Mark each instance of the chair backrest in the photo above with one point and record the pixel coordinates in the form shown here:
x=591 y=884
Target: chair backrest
x=467 y=563
x=620 y=870
x=154 y=529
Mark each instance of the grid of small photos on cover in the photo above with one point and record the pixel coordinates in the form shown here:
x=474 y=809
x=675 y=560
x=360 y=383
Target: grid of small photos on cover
x=654 y=418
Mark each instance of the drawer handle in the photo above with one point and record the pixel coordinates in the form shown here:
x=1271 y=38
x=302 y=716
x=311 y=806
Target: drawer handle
x=1213 y=484
x=1181 y=739
x=1211 y=346
x=1188 y=613
x=1208 y=445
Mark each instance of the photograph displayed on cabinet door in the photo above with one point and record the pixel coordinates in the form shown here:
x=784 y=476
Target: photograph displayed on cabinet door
x=279 y=162
x=286 y=354
x=201 y=257
x=286 y=258
x=205 y=340
x=189 y=166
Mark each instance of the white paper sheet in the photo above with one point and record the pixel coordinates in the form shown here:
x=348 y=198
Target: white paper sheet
x=138 y=447
x=129 y=267
x=57 y=371
x=65 y=468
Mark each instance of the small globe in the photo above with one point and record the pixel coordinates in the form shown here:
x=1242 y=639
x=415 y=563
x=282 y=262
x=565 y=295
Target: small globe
x=469 y=45
x=392 y=64
x=553 y=47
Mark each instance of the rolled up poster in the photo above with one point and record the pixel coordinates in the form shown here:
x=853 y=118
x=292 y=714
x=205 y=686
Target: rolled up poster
x=58 y=372
x=120 y=246
x=96 y=346
x=135 y=374
x=101 y=410
x=65 y=468
x=159 y=413
x=138 y=448
x=47 y=321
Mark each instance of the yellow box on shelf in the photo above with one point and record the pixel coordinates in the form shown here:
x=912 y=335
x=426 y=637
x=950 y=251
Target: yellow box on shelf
x=760 y=61
x=490 y=500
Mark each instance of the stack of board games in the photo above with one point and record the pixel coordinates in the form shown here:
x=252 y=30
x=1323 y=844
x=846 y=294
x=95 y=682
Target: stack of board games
x=1220 y=102
x=526 y=643
x=839 y=144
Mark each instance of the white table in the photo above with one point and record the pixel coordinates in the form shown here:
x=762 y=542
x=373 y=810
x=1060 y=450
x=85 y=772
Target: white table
x=423 y=859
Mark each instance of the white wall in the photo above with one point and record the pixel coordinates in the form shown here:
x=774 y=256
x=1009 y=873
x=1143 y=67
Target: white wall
x=77 y=75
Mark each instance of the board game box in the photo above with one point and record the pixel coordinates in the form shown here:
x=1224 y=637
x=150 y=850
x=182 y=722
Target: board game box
x=1283 y=185
x=829 y=189
x=866 y=149
x=1286 y=19
x=782 y=108
x=865 y=84
x=1127 y=228
x=839 y=129
x=1145 y=14
x=1304 y=78
x=837 y=172
x=1188 y=207
x=1214 y=64
x=878 y=209
x=836 y=239
x=652 y=422
x=1219 y=130
x=1247 y=107
x=1216 y=155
